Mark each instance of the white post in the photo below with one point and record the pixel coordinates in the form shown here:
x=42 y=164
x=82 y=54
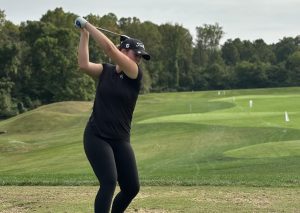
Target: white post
x=250 y=103
x=286 y=116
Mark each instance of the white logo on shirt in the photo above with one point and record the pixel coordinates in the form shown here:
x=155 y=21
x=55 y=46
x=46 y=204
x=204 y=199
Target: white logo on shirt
x=121 y=76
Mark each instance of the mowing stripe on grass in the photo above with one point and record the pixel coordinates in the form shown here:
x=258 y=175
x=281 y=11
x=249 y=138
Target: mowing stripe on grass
x=198 y=117
x=267 y=150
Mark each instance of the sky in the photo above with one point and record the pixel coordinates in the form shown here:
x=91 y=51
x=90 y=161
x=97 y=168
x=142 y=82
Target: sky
x=270 y=20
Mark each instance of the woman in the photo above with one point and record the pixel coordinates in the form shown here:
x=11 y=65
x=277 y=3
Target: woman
x=107 y=134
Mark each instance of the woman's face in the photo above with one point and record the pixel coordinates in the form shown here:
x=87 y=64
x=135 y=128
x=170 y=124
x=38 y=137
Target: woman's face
x=133 y=56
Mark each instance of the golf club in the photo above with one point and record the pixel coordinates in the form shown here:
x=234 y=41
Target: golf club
x=122 y=37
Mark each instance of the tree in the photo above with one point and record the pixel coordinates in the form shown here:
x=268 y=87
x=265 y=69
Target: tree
x=251 y=75
x=2 y=19
x=284 y=48
x=149 y=33
x=176 y=52
x=207 y=43
x=207 y=56
x=293 y=66
x=7 y=107
x=230 y=53
x=52 y=62
x=247 y=51
x=277 y=75
x=59 y=18
x=209 y=36
x=9 y=65
x=216 y=77
x=264 y=51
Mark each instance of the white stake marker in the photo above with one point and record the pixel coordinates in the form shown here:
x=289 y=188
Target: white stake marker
x=287 y=119
x=250 y=103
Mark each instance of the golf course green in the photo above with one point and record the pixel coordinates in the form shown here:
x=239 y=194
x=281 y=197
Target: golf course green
x=188 y=138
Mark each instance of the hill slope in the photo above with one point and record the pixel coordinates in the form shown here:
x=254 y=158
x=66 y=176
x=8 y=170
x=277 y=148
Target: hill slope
x=195 y=138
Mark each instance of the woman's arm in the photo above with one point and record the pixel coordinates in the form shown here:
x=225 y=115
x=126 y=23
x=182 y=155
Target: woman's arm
x=92 y=69
x=128 y=66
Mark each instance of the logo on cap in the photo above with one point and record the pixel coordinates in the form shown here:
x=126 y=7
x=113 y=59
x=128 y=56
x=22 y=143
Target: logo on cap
x=139 y=44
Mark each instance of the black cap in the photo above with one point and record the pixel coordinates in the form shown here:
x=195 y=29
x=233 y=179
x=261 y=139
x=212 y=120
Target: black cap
x=136 y=45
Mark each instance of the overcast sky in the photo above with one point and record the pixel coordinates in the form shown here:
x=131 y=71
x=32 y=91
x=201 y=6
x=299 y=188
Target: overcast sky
x=270 y=20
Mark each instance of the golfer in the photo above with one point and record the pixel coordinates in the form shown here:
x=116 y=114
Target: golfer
x=107 y=134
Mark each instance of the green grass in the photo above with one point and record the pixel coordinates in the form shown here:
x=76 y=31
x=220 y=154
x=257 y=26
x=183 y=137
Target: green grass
x=267 y=150
x=189 y=138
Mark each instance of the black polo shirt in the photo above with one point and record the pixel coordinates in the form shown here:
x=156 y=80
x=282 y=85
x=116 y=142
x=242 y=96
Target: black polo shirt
x=115 y=100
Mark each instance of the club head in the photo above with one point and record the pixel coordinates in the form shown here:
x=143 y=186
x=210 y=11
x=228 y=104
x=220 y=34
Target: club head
x=123 y=38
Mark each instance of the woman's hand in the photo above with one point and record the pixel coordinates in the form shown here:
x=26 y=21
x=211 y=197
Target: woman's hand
x=80 y=22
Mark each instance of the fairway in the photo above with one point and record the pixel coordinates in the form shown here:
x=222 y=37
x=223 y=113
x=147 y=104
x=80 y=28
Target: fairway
x=186 y=139
x=267 y=150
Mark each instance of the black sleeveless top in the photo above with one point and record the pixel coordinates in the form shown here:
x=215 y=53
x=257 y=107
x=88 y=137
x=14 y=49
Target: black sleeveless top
x=115 y=100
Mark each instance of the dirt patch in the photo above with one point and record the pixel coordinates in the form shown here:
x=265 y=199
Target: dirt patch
x=168 y=199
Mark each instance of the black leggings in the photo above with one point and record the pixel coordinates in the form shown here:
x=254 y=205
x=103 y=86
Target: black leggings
x=112 y=161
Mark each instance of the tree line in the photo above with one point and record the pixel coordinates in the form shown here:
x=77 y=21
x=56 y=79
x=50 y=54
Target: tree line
x=38 y=59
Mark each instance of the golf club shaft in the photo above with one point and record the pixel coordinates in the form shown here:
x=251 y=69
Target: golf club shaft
x=108 y=31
